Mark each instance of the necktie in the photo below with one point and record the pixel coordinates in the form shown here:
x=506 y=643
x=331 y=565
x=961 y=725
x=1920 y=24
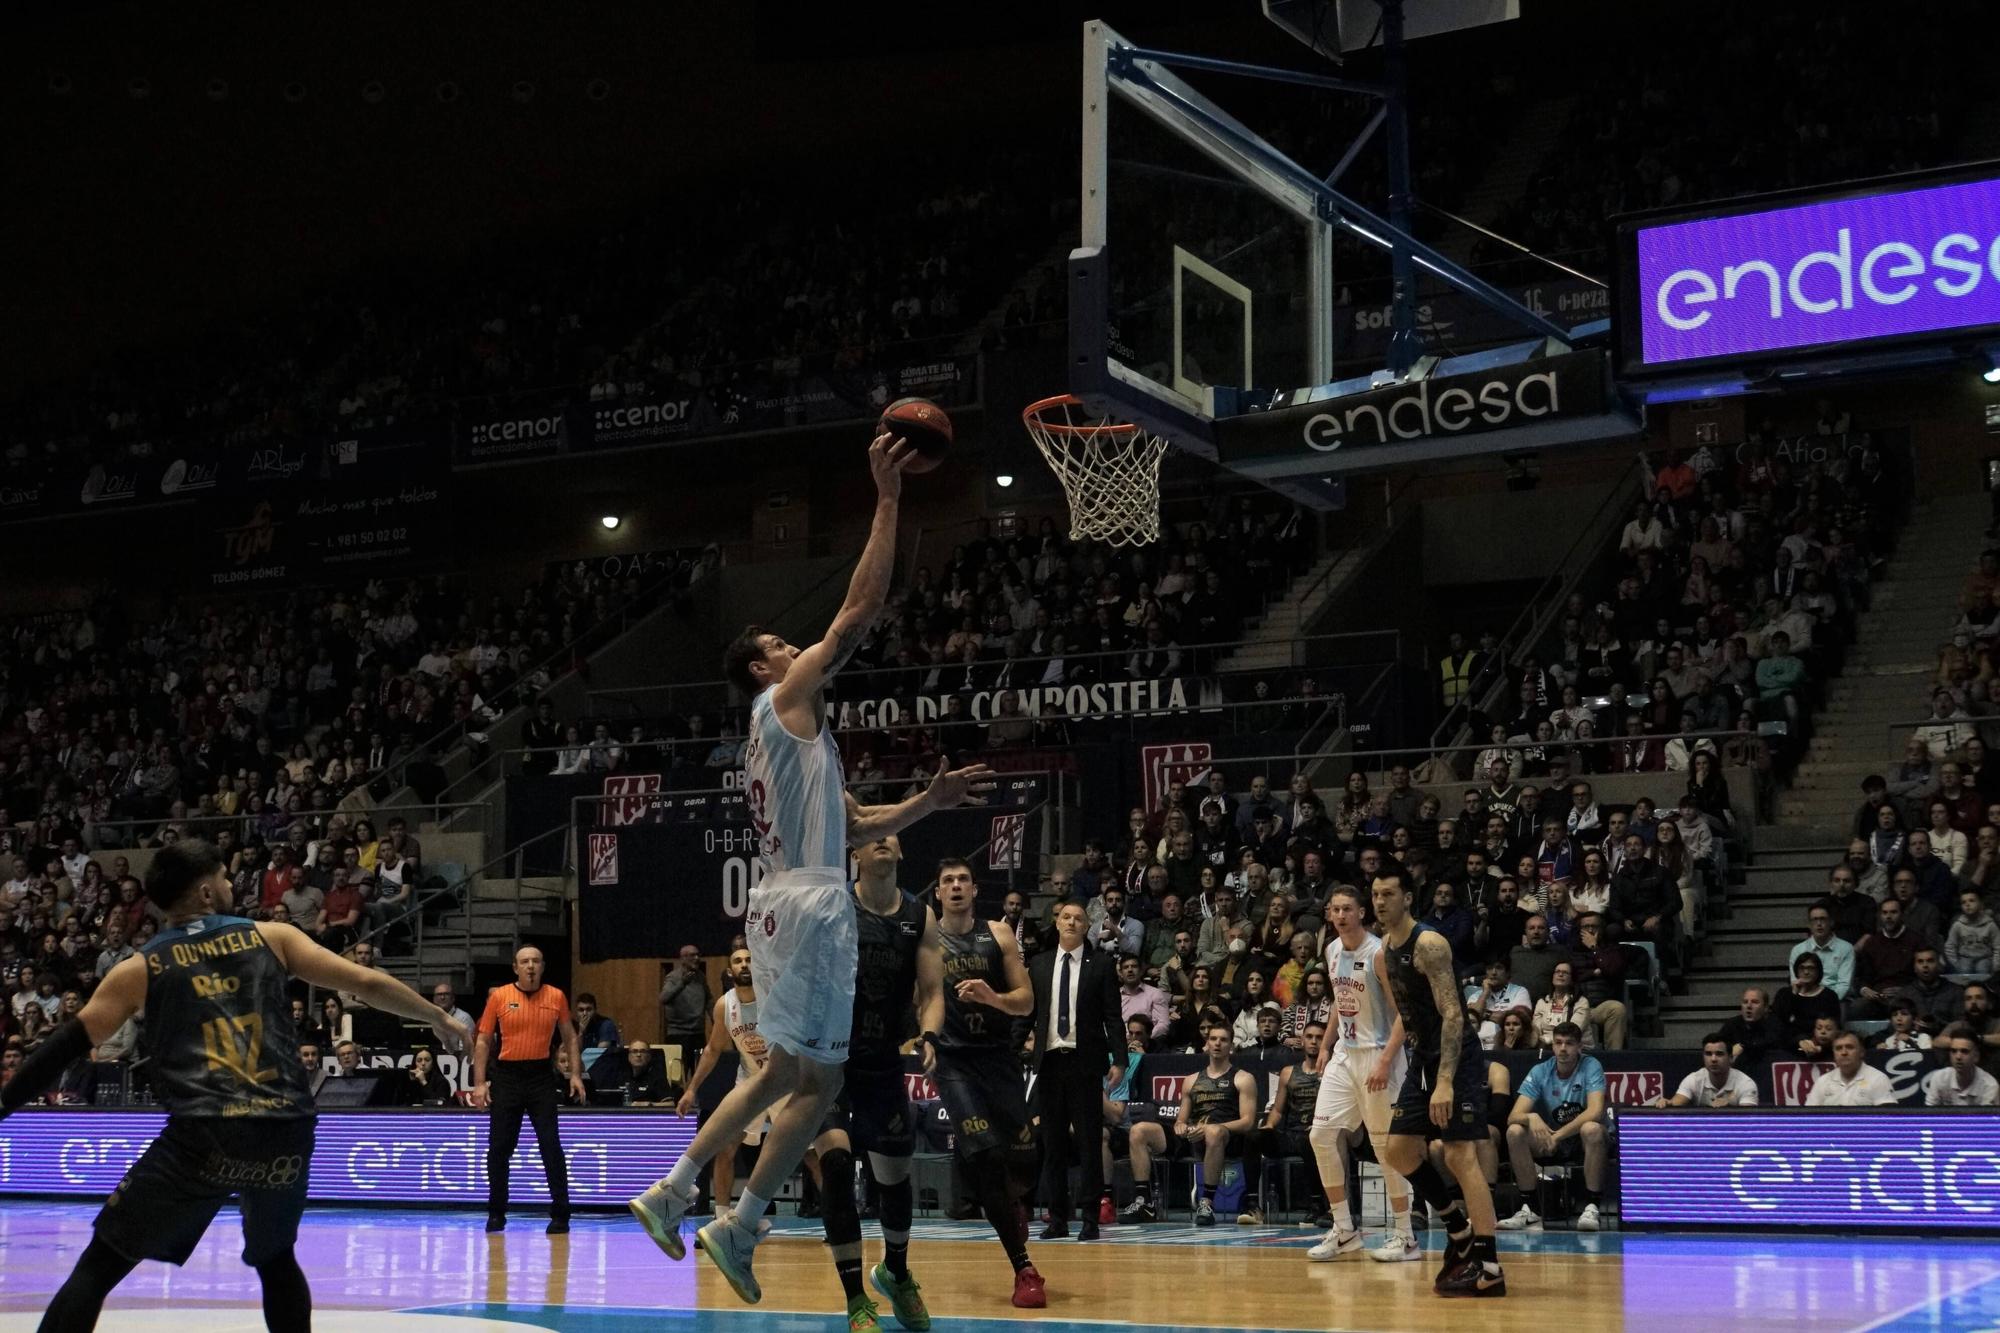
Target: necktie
x=1062 y=1001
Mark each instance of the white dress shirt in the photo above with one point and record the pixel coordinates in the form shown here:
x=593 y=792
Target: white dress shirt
x=1051 y=1040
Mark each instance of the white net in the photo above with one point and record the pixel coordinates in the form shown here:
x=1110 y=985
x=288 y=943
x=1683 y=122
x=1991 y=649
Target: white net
x=1110 y=470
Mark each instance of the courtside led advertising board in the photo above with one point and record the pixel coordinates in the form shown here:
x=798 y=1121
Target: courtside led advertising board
x=435 y=1157
x=1903 y=262
x=1885 y=1168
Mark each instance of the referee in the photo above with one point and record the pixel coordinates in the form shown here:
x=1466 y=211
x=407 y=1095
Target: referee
x=526 y=1016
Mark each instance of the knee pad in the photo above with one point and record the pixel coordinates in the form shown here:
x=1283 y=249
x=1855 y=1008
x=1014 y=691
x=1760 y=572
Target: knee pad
x=843 y=1219
x=1325 y=1138
x=888 y=1171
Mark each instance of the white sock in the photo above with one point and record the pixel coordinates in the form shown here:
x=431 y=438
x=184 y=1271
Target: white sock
x=750 y=1209
x=681 y=1180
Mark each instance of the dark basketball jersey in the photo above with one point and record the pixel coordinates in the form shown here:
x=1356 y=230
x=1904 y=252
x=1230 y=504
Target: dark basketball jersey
x=218 y=1035
x=885 y=983
x=1421 y=1020
x=1214 y=1100
x=1301 y=1096
x=975 y=954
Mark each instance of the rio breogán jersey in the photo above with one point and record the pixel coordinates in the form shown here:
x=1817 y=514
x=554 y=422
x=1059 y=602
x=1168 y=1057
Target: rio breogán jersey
x=739 y=1018
x=794 y=787
x=218 y=1037
x=969 y=1025
x=885 y=983
x=1359 y=1005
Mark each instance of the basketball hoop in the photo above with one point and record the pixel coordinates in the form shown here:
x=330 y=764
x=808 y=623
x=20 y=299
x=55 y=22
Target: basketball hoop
x=1110 y=470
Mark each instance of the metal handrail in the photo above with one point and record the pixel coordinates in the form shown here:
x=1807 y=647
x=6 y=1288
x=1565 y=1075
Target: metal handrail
x=1389 y=498
x=376 y=814
x=1528 y=624
x=419 y=903
x=1890 y=729
x=1383 y=760
x=647 y=595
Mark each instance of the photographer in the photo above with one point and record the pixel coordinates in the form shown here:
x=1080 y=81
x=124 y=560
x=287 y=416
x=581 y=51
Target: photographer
x=684 y=1005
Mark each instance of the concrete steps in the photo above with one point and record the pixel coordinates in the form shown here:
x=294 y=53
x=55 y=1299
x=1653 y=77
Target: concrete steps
x=1271 y=641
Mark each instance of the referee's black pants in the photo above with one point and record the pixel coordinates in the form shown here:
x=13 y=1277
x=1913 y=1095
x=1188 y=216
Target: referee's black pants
x=527 y=1087
x=1070 y=1099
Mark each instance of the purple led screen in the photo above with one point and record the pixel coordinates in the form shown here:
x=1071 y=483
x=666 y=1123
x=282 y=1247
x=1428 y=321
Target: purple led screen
x=386 y=1156
x=1849 y=1169
x=1912 y=261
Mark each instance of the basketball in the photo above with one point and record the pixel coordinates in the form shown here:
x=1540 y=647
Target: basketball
x=924 y=424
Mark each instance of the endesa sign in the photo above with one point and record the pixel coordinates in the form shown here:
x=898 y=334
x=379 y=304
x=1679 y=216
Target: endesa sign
x=1910 y=260
x=436 y=1156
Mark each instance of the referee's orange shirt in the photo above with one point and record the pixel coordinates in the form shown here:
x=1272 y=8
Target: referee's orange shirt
x=526 y=1023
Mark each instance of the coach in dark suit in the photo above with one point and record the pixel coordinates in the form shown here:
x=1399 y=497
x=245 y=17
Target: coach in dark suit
x=1079 y=1051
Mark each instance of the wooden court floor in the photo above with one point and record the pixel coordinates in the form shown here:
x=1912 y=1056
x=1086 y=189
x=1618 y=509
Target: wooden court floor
x=386 y=1272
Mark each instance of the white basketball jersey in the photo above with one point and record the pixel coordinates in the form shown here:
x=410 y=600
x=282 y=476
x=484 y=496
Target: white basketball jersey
x=797 y=795
x=1360 y=1008
x=741 y=1021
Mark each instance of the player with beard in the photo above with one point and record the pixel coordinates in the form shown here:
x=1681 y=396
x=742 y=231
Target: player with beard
x=900 y=959
x=977 y=1075
x=734 y=1014
x=224 y=1056
x=1444 y=1093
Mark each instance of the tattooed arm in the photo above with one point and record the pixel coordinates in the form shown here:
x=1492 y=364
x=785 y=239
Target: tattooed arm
x=798 y=693
x=1433 y=958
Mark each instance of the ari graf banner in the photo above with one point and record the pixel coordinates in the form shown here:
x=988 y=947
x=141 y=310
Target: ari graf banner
x=758 y=399
x=662 y=868
x=1931 y=1171
x=427 y=1157
x=1319 y=424
x=369 y=503
x=1896 y=261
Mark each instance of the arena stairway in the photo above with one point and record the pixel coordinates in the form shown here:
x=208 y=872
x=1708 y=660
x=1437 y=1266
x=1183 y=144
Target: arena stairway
x=1270 y=641
x=1887 y=670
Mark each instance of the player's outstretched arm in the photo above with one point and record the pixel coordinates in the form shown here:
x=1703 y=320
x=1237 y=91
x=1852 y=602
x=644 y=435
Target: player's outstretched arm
x=378 y=990
x=867 y=589
x=951 y=787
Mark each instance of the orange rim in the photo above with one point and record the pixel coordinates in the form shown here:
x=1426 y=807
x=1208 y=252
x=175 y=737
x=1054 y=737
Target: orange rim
x=1031 y=415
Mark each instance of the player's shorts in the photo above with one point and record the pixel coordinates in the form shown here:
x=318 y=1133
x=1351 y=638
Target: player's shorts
x=873 y=1110
x=1470 y=1095
x=170 y=1195
x=803 y=945
x=1344 y=1099
x=987 y=1098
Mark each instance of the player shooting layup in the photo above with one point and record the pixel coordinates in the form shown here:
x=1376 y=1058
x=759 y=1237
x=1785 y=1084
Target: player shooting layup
x=800 y=925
